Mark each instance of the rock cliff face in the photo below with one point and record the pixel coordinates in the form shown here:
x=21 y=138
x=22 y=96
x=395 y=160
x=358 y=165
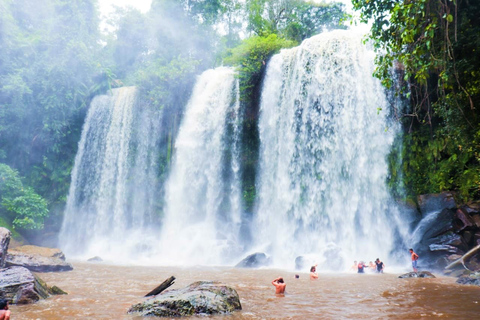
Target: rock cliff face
x=447 y=231
x=199 y=298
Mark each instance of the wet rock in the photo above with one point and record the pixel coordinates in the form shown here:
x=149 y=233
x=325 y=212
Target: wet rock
x=199 y=298
x=255 y=260
x=421 y=274
x=40 y=251
x=462 y=220
x=56 y=291
x=476 y=220
x=472 y=207
x=476 y=238
x=453 y=257
x=450 y=239
x=38 y=259
x=300 y=263
x=445 y=248
x=436 y=202
x=19 y=286
x=456 y=273
x=471 y=279
x=95 y=259
x=5 y=235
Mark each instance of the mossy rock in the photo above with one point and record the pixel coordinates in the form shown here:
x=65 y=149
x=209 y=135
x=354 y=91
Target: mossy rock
x=199 y=298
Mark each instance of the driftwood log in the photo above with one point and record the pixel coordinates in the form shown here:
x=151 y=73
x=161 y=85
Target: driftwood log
x=164 y=285
x=464 y=258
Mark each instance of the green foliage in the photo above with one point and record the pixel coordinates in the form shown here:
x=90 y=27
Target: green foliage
x=251 y=57
x=293 y=19
x=22 y=207
x=434 y=46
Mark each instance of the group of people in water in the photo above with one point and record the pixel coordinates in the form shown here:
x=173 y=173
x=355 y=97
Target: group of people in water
x=360 y=267
x=377 y=267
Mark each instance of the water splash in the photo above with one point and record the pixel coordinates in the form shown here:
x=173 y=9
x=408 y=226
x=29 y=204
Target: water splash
x=322 y=176
x=203 y=197
x=111 y=205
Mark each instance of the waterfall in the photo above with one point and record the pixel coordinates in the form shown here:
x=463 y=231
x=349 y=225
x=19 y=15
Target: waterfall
x=325 y=135
x=203 y=195
x=111 y=205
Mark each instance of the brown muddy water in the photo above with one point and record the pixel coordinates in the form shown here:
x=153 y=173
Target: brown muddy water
x=100 y=291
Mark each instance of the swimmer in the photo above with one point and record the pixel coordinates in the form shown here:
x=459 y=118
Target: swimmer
x=313 y=273
x=279 y=285
x=4 y=312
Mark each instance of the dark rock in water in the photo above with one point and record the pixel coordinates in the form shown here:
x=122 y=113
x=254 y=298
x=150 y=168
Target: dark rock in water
x=19 y=286
x=436 y=202
x=472 y=279
x=56 y=291
x=300 y=263
x=199 y=298
x=95 y=259
x=421 y=274
x=52 y=261
x=5 y=235
x=255 y=260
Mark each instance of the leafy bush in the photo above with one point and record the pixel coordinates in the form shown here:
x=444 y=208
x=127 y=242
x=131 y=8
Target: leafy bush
x=20 y=206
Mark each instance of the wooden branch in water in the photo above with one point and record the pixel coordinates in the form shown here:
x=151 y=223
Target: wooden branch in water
x=164 y=285
x=463 y=259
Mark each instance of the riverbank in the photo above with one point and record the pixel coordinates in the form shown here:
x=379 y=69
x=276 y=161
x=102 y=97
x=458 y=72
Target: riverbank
x=100 y=291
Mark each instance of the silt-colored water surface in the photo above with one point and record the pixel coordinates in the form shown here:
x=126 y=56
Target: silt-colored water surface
x=100 y=291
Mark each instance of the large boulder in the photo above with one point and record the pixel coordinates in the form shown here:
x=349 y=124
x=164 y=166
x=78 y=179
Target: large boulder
x=40 y=251
x=254 y=260
x=5 y=235
x=19 y=286
x=421 y=274
x=38 y=259
x=199 y=298
x=428 y=203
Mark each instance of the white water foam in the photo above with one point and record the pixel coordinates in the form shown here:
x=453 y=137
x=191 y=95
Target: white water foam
x=203 y=197
x=322 y=190
x=110 y=208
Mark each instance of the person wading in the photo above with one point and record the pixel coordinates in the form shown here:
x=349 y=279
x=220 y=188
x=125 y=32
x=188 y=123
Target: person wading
x=4 y=312
x=279 y=285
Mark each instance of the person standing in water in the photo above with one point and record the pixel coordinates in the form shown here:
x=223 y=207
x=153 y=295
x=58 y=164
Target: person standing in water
x=4 y=312
x=414 y=260
x=361 y=267
x=279 y=285
x=379 y=265
x=313 y=273
x=355 y=265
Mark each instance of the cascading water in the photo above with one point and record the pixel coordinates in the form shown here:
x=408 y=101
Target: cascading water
x=324 y=141
x=203 y=197
x=111 y=203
